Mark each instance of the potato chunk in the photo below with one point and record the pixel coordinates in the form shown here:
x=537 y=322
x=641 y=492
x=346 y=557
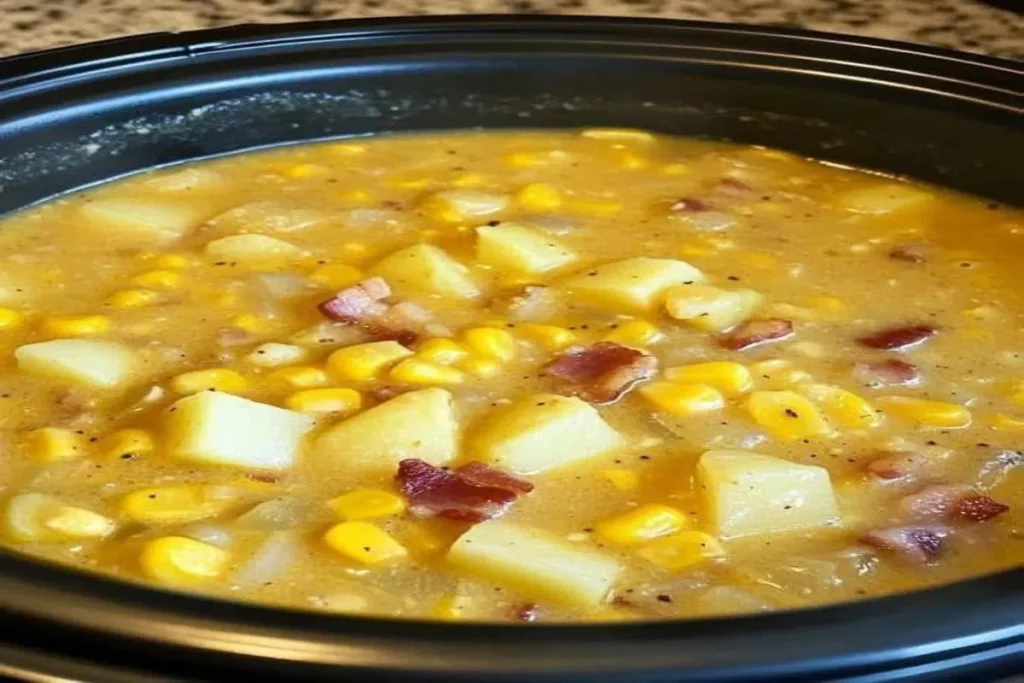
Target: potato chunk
x=544 y=432
x=534 y=563
x=633 y=285
x=710 y=308
x=419 y=424
x=748 y=493
x=267 y=217
x=223 y=429
x=134 y=221
x=254 y=250
x=511 y=246
x=95 y=362
x=426 y=268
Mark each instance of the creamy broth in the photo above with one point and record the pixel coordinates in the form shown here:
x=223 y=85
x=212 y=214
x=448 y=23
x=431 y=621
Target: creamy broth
x=736 y=380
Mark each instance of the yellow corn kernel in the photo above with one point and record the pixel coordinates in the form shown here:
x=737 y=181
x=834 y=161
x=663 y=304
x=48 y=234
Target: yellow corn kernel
x=729 y=378
x=336 y=275
x=482 y=366
x=1003 y=421
x=51 y=444
x=539 y=197
x=683 y=399
x=776 y=373
x=75 y=325
x=787 y=415
x=430 y=234
x=347 y=149
x=300 y=377
x=692 y=250
x=756 y=259
x=618 y=135
x=845 y=409
x=621 y=479
x=926 y=413
x=491 y=342
x=675 y=169
x=551 y=336
x=76 y=522
x=469 y=180
x=595 y=207
x=367 y=503
x=128 y=442
x=450 y=607
x=172 y=261
x=304 y=170
x=681 y=550
x=354 y=250
x=212 y=379
x=178 y=560
x=332 y=400
x=158 y=279
x=364 y=542
x=175 y=504
x=642 y=524
x=441 y=350
x=634 y=333
x=410 y=183
x=523 y=160
x=356 y=196
x=10 y=318
x=366 y=361
x=417 y=371
x=828 y=304
x=633 y=162
x=132 y=298
x=250 y=323
x=427 y=538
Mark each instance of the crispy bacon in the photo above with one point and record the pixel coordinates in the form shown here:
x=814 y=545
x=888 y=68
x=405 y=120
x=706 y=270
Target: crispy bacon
x=756 y=332
x=911 y=253
x=938 y=501
x=897 y=337
x=886 y=373
x=978 y=509
x=896 y=464
x=916 y=544
x=362 y=305
x=602 y=372
x=472 y=493
x=690 y=205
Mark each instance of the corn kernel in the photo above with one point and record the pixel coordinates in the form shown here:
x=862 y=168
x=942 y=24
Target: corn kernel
x=172 y=261
x=354 y=250
x=491 y=342
x=128 y=442
x=621 y=479
x=642 y=524
x=639 y=333
x=469 y=180
x=451 y=608
x=683 y=399
x=336 y=275
x=416 y=371
x=523 y=160
x=366 y=361
x=177 y=560
x=76 y=522
x=681 y=550
x=367 y=503
x=364 y=542
x=333 y=400
x=551 y=336
x=926 y=413
x=441 y=350
x=1003 y=421
x=356 y=196
x=539 y=197
x=844 y=409
x=10 y=318
x=300 y=377
x=428 y=538
x=831 y=305
x=212 y=379
x=158 y=279
x=132 y=298
x=787 y=415
x=675 y=169
x=697 y=250
x=75 y=325
x=175 y=504
x=633 y=162
x=250 y=323
x=756 y=259
x=595 y=207
x=729 y=378
x=776 y=373
x=51 y=444
x=618 y=135
x=411 y=183
x=482 y=366
x=299 y=171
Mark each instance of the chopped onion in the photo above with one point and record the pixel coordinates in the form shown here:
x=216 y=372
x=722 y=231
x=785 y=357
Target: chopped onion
x=282 y=285
x=275 y=555
x=709 y=221
x=370 y=218
x=278 y=514
x=210 y=533
x=552 y=224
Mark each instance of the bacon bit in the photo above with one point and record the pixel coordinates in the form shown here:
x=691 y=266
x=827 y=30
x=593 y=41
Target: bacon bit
x=757 y=332
x=266 y=477
x=690 y=205
x=472 y=493
x=886 y=373
x=730 y=187
x=938 y=501
x=896 y=464
x=897 y=337
x=362 y=305
x=527 y=612
x=915 y=544
x=604 y=371
x=911 y=253
x=978 y=509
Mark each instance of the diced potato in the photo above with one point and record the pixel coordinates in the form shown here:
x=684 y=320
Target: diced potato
x=534 y=563
x=633 y=285
x=253 y=250
x=219 y=428
x=94 y=362
x=748 y=493
x=544 y=432
x=455 y=206
x=710 y=308
x=885 y=198
x=426 y=268
x=39 y=518
x=419 y=424
x=511 y=246
x=267 y=216
x=146 y=221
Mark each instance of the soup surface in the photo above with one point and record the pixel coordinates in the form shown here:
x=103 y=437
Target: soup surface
x=524 y=376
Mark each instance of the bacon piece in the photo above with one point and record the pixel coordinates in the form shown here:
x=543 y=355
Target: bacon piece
x=690 y=205
x=911 y=253
x=938 y=501
x=978 y=509
x=897 y=337
x=733 y=189
x=897 y=464
x=757 y=332
x=359 y=303
x=916 y=544
x=602 y=372
x=886 y=373
x=472 y=493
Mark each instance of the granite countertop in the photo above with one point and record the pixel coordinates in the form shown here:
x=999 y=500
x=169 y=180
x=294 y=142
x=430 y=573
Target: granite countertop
x=963 y=24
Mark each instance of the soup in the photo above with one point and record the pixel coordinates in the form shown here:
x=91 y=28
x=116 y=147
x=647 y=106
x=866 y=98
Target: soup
x=517 y=376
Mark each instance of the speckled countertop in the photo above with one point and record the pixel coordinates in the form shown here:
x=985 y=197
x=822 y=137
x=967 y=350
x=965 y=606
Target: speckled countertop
x=964 y=24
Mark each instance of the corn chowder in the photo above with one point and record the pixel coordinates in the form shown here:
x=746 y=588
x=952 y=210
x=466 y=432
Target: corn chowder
x=522 y=376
